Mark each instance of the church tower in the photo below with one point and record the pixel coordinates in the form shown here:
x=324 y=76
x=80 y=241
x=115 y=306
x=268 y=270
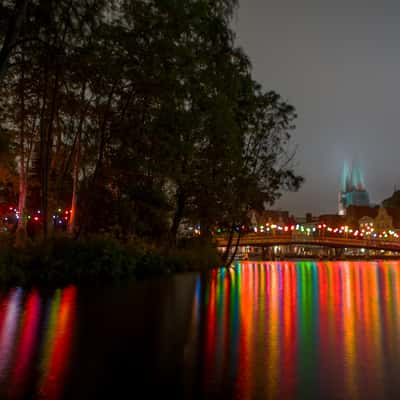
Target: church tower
x=352 y=191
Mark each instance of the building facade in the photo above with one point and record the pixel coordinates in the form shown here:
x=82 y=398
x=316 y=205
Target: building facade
x=383 y=221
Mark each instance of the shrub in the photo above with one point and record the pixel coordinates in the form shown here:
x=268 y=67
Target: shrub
x=62 y=260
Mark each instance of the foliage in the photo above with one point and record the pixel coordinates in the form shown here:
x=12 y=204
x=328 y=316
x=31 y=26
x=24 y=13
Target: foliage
x=138 y=116
x=99 y=258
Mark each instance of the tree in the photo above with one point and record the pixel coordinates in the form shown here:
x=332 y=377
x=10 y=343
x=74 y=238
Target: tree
x=15 y=19
x=141 y=115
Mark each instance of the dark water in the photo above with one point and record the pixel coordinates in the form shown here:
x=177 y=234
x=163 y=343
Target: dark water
x=285 y=330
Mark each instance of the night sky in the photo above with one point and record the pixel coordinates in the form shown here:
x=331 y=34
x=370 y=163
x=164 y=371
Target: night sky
x=338 y=63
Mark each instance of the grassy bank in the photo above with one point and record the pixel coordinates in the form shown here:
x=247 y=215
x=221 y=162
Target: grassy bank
x=62 y=261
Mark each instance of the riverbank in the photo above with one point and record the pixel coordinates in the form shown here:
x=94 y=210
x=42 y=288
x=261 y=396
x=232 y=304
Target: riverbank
x=62 y=261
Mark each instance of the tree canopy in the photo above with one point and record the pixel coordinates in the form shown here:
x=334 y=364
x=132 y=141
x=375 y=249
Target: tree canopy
x=137 y=116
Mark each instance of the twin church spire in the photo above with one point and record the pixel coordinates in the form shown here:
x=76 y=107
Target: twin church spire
x=352 y=179
x=353 y=192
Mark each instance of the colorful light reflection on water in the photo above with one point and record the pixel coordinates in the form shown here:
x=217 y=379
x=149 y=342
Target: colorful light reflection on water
x=284 y=330
x=299 y=330
x=35 y=341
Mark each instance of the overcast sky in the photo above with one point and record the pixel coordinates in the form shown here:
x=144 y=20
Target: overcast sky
x=338 y=63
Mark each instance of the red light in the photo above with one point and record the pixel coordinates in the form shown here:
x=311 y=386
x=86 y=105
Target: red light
x=292 y=228
x=36 y=218
x=319 y=226
x=324 y=225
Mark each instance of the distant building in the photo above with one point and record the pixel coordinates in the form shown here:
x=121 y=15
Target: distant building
x=366 y=222
x=392 y=205
x=383 y=221
x=277 y=217
x=355 y=213
x=332 y=220
x=308 y=218
x=352 y=192
x=380 y=218
x=393 y=201
x=394 y=212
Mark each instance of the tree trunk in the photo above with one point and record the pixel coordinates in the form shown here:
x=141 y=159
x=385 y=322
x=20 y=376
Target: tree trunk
x=46 y=155
x=23 y=171
x=180 y=208
x=88 y=203
x=23 y=187
x=75 y=177
x=42 y=130
x=236 y=249
x=75 y=166
x=228 y=245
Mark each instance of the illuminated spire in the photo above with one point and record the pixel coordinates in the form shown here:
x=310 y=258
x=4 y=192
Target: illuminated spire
x=352 y=191
x=357 y=180
x=345 y=177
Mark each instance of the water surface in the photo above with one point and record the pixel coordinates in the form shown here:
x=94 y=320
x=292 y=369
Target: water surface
x=273 y=330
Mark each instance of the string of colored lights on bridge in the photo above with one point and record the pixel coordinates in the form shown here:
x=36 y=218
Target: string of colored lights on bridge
x=62 y=217
x=346 y=231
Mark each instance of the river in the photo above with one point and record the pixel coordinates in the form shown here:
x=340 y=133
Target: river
x=262 y=330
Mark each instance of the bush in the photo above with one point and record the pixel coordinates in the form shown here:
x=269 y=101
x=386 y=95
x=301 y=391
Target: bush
x=62 y=261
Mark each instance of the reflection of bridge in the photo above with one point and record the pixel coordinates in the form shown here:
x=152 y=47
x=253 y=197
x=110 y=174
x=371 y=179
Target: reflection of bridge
x=287 y=239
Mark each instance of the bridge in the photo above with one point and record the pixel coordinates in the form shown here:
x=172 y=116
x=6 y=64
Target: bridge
x=287 y=239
